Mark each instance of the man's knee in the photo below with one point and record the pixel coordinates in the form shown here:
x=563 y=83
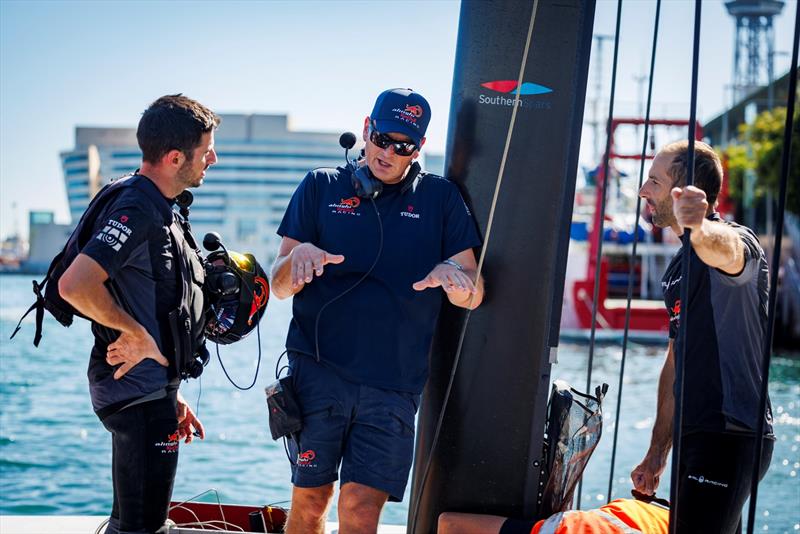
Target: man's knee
x=448 y=523
x=311 y=502
x=359 y=503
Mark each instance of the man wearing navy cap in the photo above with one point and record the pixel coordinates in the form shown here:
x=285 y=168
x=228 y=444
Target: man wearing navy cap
x=364 y=249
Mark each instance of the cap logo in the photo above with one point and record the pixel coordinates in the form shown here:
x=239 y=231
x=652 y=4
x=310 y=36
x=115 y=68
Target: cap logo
x=414 y=110
x=407 y=116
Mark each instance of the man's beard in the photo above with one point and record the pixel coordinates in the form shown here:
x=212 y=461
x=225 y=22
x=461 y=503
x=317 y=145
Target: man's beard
x=662 y=213
x=185 y=177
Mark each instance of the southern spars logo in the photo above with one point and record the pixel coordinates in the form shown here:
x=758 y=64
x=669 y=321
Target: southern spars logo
x=508 y=96
x=114 y=233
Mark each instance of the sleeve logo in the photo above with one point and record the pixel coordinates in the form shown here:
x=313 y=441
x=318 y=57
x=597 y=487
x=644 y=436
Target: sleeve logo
x=114 y=234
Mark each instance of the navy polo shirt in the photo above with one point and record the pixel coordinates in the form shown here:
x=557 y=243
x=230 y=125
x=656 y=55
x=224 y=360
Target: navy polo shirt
x=379 y=332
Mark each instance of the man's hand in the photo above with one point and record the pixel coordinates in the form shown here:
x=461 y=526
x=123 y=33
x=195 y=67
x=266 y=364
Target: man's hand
x=188 y=423
x=647 y=474
x=450 y=278
x=689 y=204
x=309 y=261
x=130 y=349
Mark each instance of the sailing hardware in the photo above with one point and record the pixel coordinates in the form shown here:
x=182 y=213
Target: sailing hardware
x=573 y=429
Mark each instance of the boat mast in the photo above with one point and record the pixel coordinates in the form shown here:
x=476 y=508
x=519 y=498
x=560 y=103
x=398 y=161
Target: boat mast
x=483 y=454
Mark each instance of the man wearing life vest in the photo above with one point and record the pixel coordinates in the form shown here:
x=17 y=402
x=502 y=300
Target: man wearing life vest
x=724 y=338
x=622 y=516
x=127 y=280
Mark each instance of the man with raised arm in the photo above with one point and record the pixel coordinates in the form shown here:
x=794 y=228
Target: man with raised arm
x=724 y=338
x=126 y=280
x=365 y=252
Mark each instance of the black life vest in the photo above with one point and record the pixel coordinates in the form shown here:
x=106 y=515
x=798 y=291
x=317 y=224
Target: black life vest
x=187 y=320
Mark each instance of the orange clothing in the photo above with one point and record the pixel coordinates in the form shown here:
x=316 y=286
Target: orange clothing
x=622 y=516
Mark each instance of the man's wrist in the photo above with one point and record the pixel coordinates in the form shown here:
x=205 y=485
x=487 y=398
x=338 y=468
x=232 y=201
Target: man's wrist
x=453 y=263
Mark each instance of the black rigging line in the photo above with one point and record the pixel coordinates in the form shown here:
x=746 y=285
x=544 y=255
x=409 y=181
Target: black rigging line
x=680 y=356
x=601 y=218
x=632 y=269
x=773 y=283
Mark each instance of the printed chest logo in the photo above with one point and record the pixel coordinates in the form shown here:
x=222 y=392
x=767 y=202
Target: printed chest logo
x=115 y=233
x=346 y=206
x=409 y=212
x=675 y=309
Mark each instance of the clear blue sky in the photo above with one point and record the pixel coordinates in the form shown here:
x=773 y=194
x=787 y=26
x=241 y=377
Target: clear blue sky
x=68 y=63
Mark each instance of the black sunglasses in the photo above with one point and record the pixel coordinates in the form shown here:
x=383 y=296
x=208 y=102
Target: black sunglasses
x=383 y=141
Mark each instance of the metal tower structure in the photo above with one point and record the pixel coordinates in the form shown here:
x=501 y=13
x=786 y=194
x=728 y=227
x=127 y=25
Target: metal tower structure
x=754 y=44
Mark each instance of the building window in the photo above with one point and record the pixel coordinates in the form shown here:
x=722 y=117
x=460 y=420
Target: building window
x=247 y=230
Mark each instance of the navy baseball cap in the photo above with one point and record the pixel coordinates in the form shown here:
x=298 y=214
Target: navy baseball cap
x=402 y=111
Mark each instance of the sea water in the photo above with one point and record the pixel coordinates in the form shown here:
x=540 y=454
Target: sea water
x=55 y=456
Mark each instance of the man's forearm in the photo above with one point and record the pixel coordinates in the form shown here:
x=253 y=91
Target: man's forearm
x=83 y=286
x=661 y=441
x=718 y=246
x=282 y=277
x=98 y=304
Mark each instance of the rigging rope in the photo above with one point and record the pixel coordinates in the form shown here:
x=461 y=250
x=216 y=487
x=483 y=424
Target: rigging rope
x=632 y=269
x=776 y=258
x=680 y=357
x=601 y=219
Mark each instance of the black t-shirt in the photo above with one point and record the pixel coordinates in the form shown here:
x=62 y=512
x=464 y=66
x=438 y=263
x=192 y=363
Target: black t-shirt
x=131 y=242
x=379 y=333
x=727 y=321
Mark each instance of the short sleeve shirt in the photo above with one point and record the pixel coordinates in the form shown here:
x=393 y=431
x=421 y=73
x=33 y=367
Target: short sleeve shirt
x=131 y=242
x=727 y=321
x=376 y=331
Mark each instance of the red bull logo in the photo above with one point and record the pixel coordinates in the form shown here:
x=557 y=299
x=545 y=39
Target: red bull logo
x=414 y=110
x=304 y=459
x=676 y=309
x=173 y=437
x=352 y=202
x=260 y=297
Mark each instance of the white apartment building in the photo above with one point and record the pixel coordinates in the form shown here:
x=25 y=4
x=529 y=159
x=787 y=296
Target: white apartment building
x=244 y=195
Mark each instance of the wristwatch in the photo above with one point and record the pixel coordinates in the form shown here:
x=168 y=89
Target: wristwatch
x=454 y=264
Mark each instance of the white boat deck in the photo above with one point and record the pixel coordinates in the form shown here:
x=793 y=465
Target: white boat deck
x=70 y=524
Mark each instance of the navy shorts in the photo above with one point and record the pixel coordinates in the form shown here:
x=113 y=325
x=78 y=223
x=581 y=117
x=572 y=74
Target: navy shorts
x=367 y=431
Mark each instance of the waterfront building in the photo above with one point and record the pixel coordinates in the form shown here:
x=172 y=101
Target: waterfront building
x=261 y=161
x=46 y=239
x=244 y=196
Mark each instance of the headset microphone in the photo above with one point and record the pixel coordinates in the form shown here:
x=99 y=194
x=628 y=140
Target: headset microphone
x=184 y=200
x=347 y=140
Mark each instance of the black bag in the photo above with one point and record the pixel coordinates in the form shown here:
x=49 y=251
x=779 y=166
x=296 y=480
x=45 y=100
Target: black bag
x=187 y=321
x=285 y=417
x=46 y=291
